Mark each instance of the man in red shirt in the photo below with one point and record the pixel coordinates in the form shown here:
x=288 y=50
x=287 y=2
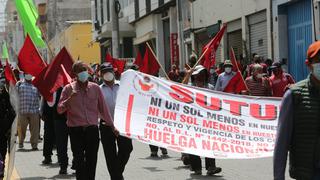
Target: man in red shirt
x=280 y=81
x=257 y=84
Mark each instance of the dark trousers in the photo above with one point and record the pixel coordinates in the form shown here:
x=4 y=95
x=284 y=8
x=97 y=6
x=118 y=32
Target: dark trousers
x=195 y=162
x=116 y=160
x=3 y=150
x=156 y=148
x=85 y=145
x=61 y=132
x=48 y=137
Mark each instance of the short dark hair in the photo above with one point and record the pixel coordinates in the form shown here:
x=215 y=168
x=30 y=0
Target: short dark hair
x=78 y=67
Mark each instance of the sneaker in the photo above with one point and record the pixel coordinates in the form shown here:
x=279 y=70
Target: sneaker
x=154 y=154
x=47 y=161
x=21 y=145
x=197 y=172
x=63 y=171
x=213 y=170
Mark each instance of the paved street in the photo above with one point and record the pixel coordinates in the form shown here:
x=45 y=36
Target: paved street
x=141 y=166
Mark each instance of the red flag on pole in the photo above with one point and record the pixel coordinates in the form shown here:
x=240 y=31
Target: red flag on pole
x=138 y=61
x=29 y=59
x=236 y=83
x=9 y=74
x=54 y=76
x=117 y=64
x=209 y=58
x=149 y=64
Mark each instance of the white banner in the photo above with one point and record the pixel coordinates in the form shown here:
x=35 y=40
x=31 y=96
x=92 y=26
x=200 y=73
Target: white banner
x=194 y=120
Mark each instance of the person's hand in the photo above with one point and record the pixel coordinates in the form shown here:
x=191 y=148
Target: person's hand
x=116 y=132
x=244 y=92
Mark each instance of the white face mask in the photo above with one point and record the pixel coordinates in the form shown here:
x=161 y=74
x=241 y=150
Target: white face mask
x=28 y=77
x=228 y=70
x=108 y=76
x=316 y=70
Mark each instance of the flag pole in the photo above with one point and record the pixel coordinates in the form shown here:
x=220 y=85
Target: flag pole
x=187 y=76
x=158 y=61
x=236 y=63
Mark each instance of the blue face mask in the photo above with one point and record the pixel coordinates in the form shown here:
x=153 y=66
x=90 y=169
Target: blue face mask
x=83 y=76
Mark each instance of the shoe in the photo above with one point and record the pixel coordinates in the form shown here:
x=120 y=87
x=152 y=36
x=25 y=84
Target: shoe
x=164 y=152
x=197 y=172
x=35 y=149
x=47 y=161
x=154 y=154
x=185 y=159
x=20 y=145
x=213 y=170
x=63 y=171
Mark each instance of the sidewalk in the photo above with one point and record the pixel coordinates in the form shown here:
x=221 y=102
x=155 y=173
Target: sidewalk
x=141 y=166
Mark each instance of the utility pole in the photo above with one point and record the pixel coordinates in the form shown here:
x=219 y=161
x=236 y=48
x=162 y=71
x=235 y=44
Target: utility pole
x=115 y=9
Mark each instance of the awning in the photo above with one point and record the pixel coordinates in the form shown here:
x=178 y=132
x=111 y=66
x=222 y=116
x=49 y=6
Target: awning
x=146 y=37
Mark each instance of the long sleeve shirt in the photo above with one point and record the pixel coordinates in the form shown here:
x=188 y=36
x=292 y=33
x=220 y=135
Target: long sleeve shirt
x=110 y=96
x=85 y=106
x=284 y=134
x=29 y=98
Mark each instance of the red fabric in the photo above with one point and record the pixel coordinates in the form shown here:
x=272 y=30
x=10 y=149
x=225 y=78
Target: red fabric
x=56 y=75
x=279 y=84
x=138 y=61
x=29 y=59
x=150 y=64
x=209 y=58
x=236 y=84
x=117 y=64
x=8 y=73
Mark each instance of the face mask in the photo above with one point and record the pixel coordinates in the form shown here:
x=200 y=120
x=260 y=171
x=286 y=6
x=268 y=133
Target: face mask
x=108 y=76
x=211 y=71
x=28 y=77
x=316 y=70
x=259 y=76
x=21 y=76
x=83 y=76
x=228 y=70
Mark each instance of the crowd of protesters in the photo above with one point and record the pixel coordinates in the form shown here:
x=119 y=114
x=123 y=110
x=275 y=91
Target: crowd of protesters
x=84 y=109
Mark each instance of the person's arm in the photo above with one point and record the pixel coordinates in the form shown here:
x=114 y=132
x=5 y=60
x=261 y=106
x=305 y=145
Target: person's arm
x=283 y=139
x=103 y=109
x=66 y=95
x=218 y=84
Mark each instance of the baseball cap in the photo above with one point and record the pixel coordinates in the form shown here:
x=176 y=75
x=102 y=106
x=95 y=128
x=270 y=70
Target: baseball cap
x=106 y=67
x=313 y=49
x=275 y=65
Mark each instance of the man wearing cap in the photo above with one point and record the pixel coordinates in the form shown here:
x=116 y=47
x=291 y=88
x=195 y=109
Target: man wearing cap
x=225 y=77
x=116 y=159
x=280 y=81
x=200 y=79
x=29 y=111
x=84 y=103
x=299 y=125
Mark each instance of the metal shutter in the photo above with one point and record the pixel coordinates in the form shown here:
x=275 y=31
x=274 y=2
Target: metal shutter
x=258 y=34
x=235 y=41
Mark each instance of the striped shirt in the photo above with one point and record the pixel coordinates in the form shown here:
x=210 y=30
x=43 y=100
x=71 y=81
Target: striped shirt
x=29 y=98
x=258 y=88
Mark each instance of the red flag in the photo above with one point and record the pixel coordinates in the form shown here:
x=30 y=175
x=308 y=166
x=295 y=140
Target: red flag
x=29 y=59
x=9 y=74
x=53 y=76
x=138 y=61
x=209 y=58
x=236 y=83
x=117 y=64
x=149 y=64
x=40 y=83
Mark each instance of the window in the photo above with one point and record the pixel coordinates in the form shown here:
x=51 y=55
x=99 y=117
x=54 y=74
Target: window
x=136 y=8
x=148 y=6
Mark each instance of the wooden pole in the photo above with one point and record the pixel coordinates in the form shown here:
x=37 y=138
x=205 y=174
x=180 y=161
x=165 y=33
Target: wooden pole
x=158 y=61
